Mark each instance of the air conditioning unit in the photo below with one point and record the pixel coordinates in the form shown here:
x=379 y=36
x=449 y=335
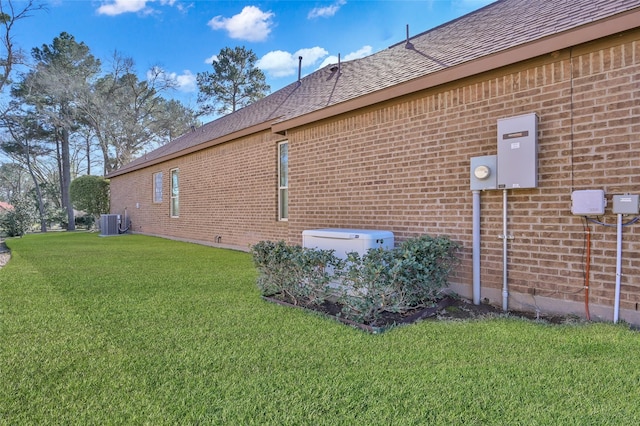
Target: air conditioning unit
x=109 y=224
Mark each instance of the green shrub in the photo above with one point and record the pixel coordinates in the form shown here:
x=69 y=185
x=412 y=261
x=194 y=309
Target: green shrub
x=423 y=266
x=318 y=269
x=367 y=288
x=274 y=263
x=90 y=194
x=409 y=276
x=297 y=273
x=86 y=221
x=17 y=221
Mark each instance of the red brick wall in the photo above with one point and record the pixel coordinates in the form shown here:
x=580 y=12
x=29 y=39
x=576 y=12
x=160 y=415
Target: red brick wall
x=404 y=166
x=227 y=191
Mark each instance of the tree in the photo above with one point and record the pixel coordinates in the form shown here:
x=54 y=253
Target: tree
x=22 y=145
x=13 y=180
x=11 y=55
x=173 y=119
x=62 y=75
x=128 y=115
x=91 y=194
x=235 y=82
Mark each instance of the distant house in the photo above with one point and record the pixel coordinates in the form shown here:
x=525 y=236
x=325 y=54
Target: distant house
x=5 y=206
x=388 y=142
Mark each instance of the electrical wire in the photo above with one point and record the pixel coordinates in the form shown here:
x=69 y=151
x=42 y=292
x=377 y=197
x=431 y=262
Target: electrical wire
x=572 y=142
x=631 y=222
x=586 y=250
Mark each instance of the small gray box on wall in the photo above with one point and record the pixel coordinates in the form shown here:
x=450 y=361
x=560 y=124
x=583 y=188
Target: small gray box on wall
x=588 y=202
x=626 y=204
x=518 y=152
x=483 y=173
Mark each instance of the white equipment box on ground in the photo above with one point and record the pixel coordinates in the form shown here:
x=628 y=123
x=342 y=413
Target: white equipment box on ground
x=344 y=241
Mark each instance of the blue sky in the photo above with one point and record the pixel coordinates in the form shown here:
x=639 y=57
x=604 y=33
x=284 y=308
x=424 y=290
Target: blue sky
x=183 y=37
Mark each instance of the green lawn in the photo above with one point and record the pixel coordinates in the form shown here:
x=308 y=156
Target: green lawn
x=141 y=330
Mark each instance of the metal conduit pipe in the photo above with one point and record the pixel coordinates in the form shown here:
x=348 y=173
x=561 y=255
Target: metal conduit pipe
x=505 y=239
x=616 y=306
x=476 y=247
x=586 y=273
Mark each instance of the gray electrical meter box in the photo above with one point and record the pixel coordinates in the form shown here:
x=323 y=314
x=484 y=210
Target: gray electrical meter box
x=483 y=173
x=518 y=152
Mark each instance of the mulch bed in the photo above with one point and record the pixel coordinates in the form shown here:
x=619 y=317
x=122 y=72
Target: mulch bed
x=447 y=308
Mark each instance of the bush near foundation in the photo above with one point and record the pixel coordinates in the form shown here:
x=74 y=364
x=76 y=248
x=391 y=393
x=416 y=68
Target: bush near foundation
x=410 y=276
x=298 y=274
x=407 y=277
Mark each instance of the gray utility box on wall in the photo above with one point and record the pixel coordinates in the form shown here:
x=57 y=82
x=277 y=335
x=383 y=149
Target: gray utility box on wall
x=483 y=173
x=344 y=241
x=518 y=152
x=588 y=202
x=626 y=204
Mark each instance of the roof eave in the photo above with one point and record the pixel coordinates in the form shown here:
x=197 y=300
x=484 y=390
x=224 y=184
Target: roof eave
x=226 y=138
x=583 y=34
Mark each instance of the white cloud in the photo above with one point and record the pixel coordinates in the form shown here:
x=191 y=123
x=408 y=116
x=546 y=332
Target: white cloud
x=311 y=56
x=185 y=82
x=326 y=12
x=360 y=53
x=251 y=24
x=211 y=59
x=279 y=63
x=118 y=7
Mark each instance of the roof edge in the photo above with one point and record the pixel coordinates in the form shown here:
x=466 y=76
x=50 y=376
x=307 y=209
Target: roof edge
x=195 y=148
x=605 y=27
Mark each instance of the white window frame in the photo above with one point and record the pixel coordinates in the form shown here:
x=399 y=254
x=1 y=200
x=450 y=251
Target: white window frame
x=174 y=206
x=157 y=187
x=283 y=183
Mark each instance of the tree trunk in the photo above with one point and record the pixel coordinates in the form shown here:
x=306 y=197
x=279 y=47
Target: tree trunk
x=88 y=156
x=65 y=180
x=43 y=220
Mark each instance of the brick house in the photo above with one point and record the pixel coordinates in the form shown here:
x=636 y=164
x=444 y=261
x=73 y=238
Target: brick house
x=385 y=142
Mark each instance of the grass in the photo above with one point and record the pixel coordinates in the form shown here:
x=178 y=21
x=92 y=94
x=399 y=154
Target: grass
x=141 y=330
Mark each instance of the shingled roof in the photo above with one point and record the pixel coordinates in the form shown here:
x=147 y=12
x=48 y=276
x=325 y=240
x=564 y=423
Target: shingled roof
x=432 y=57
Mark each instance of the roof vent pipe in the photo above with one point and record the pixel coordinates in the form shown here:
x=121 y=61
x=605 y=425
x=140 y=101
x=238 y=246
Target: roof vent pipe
x=334 y=68
x=299 y=68
x=408 y=45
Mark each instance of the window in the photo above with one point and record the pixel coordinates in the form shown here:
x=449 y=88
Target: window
x=157 y=187
x=175 y=191
x=283 y=180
